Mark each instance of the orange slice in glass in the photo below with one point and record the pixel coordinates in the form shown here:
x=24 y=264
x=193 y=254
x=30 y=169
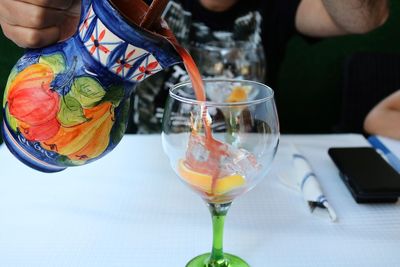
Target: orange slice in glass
x=238 y=94
x=204 y=181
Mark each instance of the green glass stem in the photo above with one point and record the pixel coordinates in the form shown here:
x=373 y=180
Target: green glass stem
x=218 y=214
x=217 y=257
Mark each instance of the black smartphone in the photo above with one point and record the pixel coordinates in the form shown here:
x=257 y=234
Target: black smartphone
x=366 y=174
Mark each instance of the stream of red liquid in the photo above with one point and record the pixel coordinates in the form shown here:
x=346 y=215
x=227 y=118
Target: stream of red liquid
x=216 y=148
x=134 y=10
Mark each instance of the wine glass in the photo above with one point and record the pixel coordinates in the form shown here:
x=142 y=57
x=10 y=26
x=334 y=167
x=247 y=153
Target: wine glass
x=220 y=148
x=230 y=59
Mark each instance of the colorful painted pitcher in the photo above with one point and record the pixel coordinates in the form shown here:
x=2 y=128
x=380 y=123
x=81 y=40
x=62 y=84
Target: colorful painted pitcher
x=67 y=104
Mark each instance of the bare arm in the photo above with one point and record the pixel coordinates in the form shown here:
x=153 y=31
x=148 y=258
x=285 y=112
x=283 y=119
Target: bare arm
x=323 y=18
x=384 y=118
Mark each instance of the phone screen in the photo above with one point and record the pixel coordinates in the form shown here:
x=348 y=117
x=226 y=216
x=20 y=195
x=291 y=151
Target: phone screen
x=367 y=175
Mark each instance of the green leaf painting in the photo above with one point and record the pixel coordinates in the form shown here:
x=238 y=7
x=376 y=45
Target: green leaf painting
x=11 y=78
x=71 y=112
x=11 y=120
x=114 y=95
x=55 y=61
x=65 y=161
x=119 y=128
x=88 y=91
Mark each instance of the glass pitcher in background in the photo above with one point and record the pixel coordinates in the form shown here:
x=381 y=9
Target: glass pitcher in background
x=230 y=59
x=235 y=53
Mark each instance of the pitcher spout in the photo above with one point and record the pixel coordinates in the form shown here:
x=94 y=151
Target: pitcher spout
x=111 y=33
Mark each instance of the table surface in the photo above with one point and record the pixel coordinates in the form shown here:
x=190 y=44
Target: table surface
x=130 y=209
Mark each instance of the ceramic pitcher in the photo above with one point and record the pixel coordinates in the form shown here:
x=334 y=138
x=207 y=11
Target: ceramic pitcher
x=67 y=104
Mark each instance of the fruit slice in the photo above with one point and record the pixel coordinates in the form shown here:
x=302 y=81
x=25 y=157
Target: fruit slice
x=204 y=181
x=228 y=183
x=197 y=179
x=238 y=94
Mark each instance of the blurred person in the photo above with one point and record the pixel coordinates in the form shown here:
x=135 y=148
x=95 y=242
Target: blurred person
x=37 y=23
x=269 y=23
x=384 y=118
x=54 y=20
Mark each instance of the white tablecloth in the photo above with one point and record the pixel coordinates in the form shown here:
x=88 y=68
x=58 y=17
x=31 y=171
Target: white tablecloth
x=129 y=209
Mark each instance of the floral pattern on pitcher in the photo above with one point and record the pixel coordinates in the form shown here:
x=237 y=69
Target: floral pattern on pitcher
x=127 y=61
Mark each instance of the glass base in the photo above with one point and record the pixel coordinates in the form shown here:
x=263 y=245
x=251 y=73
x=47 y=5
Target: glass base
x=228 y=261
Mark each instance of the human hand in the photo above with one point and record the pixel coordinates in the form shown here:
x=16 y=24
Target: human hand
x=37 y=23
